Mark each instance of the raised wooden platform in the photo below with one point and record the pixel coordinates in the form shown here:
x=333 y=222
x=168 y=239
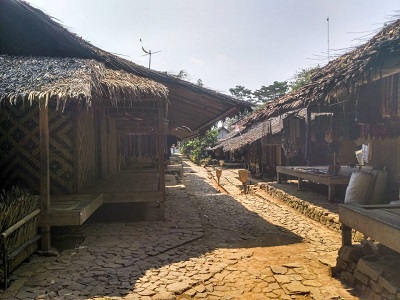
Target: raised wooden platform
x=379 y=222
x=132 y=186
x=317 y=174
x=125 y=187
x=68 y=210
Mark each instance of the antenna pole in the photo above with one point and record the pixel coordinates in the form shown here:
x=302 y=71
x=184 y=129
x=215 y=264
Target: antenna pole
x=149 y=58
x=327 y=19
x=149 y=53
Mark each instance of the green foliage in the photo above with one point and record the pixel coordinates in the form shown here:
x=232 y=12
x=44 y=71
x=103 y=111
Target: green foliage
x=242 y=93
x=271 y=92
x=262 y=95
x=195 y=148
x=303 y=77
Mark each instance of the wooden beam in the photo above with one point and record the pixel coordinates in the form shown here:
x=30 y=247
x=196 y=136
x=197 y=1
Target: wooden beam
x=217 y=118
x=128 y=126
x=44 y=168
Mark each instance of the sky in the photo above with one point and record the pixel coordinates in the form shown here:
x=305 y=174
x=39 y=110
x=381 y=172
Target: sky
x=225 y=43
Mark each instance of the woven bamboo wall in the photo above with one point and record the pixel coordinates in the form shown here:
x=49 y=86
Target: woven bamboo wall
x=19 y=147
x=61 y=152
x=85 y=165
x=105 y=132
x=20 y=154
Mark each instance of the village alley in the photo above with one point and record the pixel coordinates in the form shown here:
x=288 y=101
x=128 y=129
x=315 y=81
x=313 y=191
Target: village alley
x=212 y=246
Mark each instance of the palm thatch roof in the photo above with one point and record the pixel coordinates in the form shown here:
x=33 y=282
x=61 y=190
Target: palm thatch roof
x=271 y=127
x=377 y=58
x=27 y=31
x=63 y=79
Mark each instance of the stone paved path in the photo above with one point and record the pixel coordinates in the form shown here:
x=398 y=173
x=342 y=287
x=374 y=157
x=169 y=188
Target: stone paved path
x=212 y=246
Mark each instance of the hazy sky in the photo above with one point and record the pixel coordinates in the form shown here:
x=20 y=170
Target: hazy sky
x=224 y=42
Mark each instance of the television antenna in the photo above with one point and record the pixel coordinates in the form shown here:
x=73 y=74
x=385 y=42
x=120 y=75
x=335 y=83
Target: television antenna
x=149 y=53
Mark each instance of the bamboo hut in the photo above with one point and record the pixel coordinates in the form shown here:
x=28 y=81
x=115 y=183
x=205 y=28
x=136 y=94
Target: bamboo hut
x=83 y=127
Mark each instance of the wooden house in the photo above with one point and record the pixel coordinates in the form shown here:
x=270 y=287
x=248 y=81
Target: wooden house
x=85 y=128
x=222 y=131
x=352 y=100
x=259 y=146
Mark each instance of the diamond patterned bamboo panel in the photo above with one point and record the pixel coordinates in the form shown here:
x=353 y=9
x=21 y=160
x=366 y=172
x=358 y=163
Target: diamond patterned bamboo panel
x=20 y=152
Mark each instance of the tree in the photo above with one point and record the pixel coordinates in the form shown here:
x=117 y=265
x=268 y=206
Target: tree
x=200 y=82
x=195 y=148
x=271 y=92
x=242 y=93
x=303 y=77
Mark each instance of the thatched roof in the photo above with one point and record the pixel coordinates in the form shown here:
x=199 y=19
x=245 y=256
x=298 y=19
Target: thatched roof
x=270 y=127
x=63 y=79
x=377 y=58
x=27 y=31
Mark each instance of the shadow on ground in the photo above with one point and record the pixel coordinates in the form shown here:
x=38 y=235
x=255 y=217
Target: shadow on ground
x=117 y=251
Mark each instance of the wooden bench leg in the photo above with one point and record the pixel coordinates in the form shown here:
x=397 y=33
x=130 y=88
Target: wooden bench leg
x=346 y=235
x=331 y=193
x=299 y=184
x=279 y=177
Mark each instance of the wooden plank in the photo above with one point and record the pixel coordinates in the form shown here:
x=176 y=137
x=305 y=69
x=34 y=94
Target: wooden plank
x=44 y=169
x=327 y=179
x=90 y=207
x=319 y=178
x=388 y=206
x=128 y=197
x=372 y=223
x=69 y=210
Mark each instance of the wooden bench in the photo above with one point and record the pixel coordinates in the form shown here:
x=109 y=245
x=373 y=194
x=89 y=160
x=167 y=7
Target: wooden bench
x=379 y=222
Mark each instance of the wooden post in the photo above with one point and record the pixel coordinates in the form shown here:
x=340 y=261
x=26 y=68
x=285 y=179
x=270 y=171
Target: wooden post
x=161 y=162
x=44 y=170
x=308 y=142
x=331 y=193
x=278 y=177
x=76 y=188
